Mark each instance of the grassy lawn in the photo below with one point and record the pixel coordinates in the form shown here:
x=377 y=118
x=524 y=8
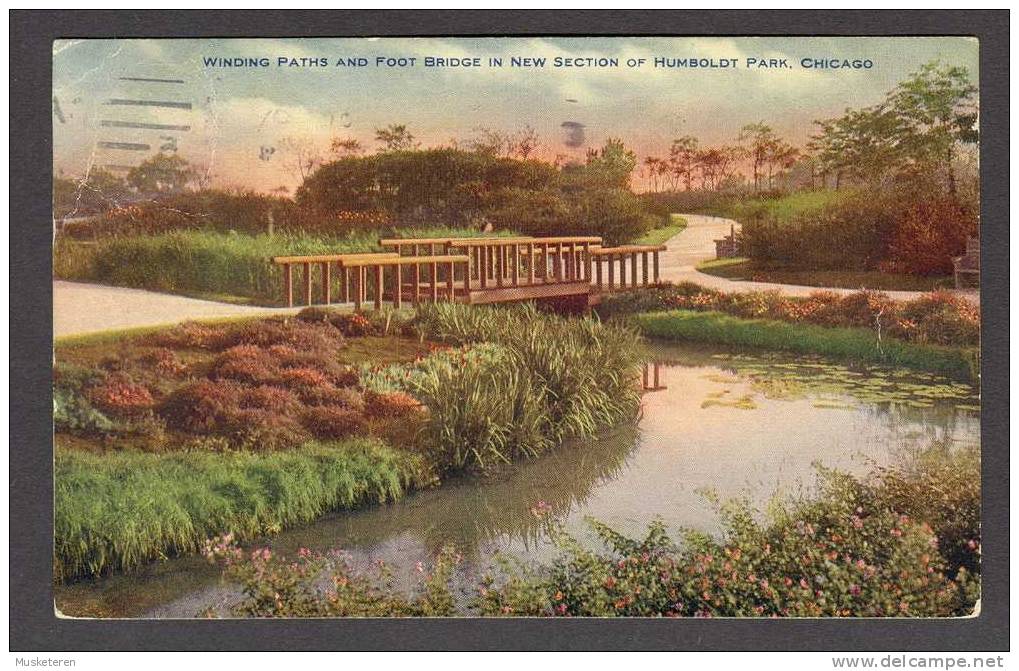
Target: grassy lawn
x=659 y=236
x=745 y=269
x=784 y=208
x=856 y=345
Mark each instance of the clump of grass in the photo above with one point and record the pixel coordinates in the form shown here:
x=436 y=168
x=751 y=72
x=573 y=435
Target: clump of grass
x=549 y=379
x=118 y=510
x=858 y=345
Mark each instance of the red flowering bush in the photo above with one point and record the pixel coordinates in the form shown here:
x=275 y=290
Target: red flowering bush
x=346 y=397
x=302 y=378
x=201 y=406
x=942 y=318
x=330 y=421
x=273 y=399
x=391 y=405
x=192 y=335
x=928 y=235
x=165 y=362
x=245 y=363
x=264 y=430
x=117 y=395
x=354 y=325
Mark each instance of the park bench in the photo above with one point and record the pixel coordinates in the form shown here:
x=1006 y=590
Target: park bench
x=968 y=263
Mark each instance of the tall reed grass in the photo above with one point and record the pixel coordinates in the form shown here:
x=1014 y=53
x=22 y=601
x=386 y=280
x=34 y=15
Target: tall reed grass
x=118 y=510
x=553 y=379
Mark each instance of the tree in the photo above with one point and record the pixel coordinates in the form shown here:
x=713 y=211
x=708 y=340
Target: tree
x=938 y=108
x=610 y=166
x=346 y=147
x=525 y=143
x=161 y=173
x=761 y=139
x=99 y=190
x=683 y=159
x=917 y=129
x=300 y=156
x=396 y=137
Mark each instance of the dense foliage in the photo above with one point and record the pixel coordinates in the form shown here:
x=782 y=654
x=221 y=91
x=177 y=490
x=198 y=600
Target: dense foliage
x=881 y=546
x=939 y=318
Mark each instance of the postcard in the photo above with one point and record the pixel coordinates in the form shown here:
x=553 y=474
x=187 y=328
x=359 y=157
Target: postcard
x=517 y=327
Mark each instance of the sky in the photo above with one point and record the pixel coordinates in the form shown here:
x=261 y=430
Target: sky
x=235 y=124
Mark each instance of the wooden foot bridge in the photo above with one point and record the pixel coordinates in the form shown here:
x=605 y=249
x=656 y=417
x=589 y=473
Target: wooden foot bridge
x=470 y=270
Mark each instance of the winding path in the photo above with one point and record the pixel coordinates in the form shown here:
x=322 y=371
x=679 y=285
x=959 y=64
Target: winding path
x=80 y=308
x=696 y=243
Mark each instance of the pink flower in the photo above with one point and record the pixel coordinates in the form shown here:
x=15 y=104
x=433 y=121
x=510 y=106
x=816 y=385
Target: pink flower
x=854 y=589
x=804 y=584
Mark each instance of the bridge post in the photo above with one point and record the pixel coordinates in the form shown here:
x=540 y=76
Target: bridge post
x=643 y=262
x=656 y=264
x=597 y=270
x=344 y=284
x=435 y=284
x=358 y=287
x=288 y=284
x=530 y=263
x=467 y=277
x=500 y=264
x=449 y=282
x=622 y=271
x=610 y=259
x=307 y=283
x=633 y=269
x=586 y=254
x=379 y=280
x=398 y=289
x=326 y=283
x=515 y=264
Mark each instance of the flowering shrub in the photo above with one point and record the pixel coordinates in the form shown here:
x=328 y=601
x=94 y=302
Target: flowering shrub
x=392 y=405
x=302 y=378
x=192 y=335
x=313 y=584
x=202 y=406
x=165 y=362
x=354 y=325
x=330 y=421
x=928 y=235
x=840 y=554
x=118 y=395
x=344 y=397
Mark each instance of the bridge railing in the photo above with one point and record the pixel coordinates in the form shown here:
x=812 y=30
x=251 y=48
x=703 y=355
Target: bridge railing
x=606 y=259
x=448 y=267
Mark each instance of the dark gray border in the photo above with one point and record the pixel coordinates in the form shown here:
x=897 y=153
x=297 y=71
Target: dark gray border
x=33 y=625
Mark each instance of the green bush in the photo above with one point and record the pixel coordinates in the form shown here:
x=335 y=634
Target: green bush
x=851 y=234
x=117 y=510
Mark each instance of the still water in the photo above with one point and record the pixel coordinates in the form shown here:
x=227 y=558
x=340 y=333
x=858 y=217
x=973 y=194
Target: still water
x=732 y=424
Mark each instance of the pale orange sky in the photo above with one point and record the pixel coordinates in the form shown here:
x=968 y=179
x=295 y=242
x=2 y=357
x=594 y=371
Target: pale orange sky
x=231 y=121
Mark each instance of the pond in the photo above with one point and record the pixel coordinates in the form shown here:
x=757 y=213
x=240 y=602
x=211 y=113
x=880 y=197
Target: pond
x=734 y=424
